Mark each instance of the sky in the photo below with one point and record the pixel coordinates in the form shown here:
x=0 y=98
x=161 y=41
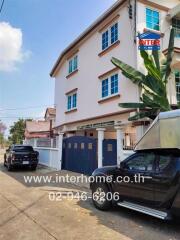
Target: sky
x=32 y=35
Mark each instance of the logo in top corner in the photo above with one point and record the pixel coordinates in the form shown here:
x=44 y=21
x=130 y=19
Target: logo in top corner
x=149 y=41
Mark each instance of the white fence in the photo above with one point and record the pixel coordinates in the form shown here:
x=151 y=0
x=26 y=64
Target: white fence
x=42 y=142
x=49 y=157
x=127 y=153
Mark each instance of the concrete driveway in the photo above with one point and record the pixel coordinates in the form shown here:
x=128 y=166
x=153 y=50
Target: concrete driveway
x=27 y=213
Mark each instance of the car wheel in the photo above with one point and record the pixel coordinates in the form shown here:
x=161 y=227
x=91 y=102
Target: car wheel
x=33 y=168
x=4 y=160
x=100 y=196
x=5 y=163
x=9 y=167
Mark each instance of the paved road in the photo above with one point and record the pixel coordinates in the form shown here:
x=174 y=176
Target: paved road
x=27 y=213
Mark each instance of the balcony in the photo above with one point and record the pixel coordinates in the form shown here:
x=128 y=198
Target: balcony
x=174 y=12
x=164 y=47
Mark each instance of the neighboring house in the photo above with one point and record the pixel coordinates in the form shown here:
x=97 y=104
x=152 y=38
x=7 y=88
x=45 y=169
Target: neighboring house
x=37 y=129
x=88 y=87
x=42 y=130
x=50 y=115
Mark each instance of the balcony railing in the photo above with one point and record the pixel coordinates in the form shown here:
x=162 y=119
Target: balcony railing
x=129 y=141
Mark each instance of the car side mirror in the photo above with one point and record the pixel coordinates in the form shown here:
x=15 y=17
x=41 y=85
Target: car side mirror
x=122 y=165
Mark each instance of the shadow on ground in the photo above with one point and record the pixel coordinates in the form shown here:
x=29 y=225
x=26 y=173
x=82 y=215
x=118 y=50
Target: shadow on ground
x=134 y=225
x=19 y=174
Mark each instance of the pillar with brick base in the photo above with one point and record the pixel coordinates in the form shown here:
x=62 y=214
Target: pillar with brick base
x=120 y=152
x=60 y=149
x=100 y=146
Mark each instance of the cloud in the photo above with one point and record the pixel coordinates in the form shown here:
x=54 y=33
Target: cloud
x=11 y=47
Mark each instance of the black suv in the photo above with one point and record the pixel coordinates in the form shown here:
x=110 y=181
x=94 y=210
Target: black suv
x=147 y=181
x=21 y=155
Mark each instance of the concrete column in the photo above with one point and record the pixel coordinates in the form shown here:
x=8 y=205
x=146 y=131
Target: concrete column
x=100 y=146
x=51 y=144
x=60 y=148
x=139 y=132
x=35 y=142
x=120 y=152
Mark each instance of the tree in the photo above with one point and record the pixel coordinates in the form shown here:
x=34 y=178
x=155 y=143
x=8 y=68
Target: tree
x=154 y=97
x=2 y=131
x=17 y=132
x=2 y=140
x=2 y=128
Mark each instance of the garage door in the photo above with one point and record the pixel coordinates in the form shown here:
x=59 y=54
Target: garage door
x=79 y=154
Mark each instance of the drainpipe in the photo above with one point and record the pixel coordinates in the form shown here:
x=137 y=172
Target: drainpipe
x=135 y=21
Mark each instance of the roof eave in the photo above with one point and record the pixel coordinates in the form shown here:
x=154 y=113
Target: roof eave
x=174 y=12
x=113 y=8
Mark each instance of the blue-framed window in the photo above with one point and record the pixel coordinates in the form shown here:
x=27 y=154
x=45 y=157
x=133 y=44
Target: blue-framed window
x=73 y=64
x=176 y=26
x=70 y=66
x=114 y=33
x=69 y=103
x=105 y=88
x=177 y=78
x=72 y=101
x=152 y=19
x=105 y=40
x=110 y=36
x=114 y=84
x=109 y=86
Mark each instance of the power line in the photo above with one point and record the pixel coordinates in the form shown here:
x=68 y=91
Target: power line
x=24 y=117
x=2 y=6
x=21 y=108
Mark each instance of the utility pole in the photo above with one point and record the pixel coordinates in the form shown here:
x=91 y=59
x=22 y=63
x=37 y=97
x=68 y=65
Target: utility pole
x=2 y=4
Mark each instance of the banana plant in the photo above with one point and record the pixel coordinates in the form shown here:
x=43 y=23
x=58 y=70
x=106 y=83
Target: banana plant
x=154 y=97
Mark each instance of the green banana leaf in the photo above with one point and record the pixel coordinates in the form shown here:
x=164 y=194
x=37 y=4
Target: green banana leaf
x=132 y=105
x=134 y=75
x=169 y=54
x=149 y=64
x=149 y=114
x=154 y=84
x=155 y=55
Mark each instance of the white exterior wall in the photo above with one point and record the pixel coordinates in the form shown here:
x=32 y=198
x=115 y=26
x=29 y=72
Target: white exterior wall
x=90 y=66
x=49 y=157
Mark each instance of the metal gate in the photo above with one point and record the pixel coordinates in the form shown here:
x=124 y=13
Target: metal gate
x=79 y=154
x=109 y=152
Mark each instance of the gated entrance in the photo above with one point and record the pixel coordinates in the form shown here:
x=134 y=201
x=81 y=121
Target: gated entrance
x=109 y=152
x=80 y=154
